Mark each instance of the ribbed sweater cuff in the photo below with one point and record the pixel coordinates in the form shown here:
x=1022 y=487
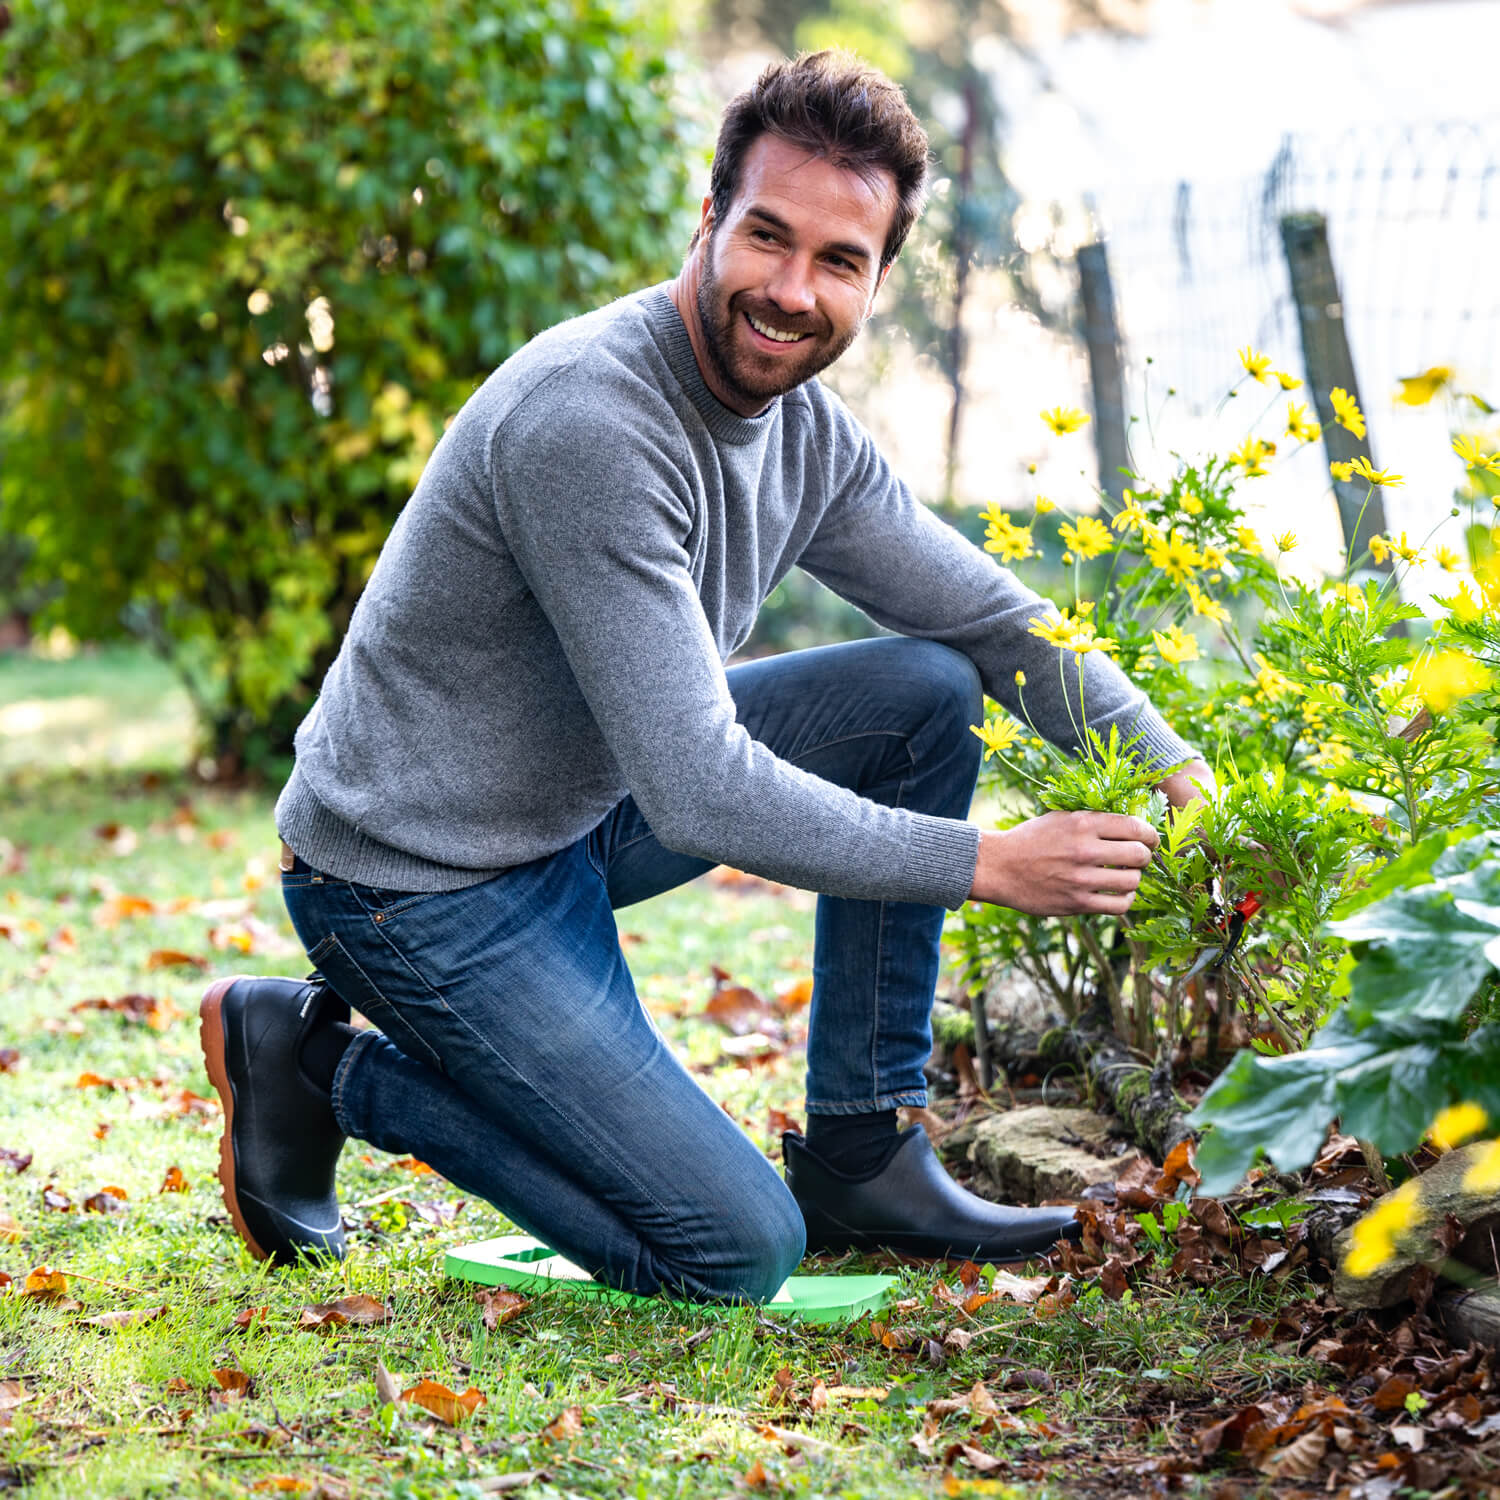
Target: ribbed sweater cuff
x=940 y=860
x=328 y=843
x=1157 y=745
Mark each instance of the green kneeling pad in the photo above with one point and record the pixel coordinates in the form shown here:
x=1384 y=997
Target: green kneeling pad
x=522 y=1263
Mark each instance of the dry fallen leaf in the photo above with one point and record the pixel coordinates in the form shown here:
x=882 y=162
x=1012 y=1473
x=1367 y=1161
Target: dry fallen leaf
x=737 y=1009
x=173 y=958
x=361 y=1310
x=115 y=909
x=412 y=1165
x=233 y=1383
x=446 y=1405
x=568 y=1423
x=12 y=1394
x=284 y=1484
x=247 y=1316
x=108 y=1200
x=500 y=1306
x=387 y=1387
x=1177 y=1168
x=795 y=997
x=1023 y=1289
x=125 y=1318
x=57 y=1201
x=174 y=1181
x=10 y=1229
x=1298 y=1460
x=10 y=1059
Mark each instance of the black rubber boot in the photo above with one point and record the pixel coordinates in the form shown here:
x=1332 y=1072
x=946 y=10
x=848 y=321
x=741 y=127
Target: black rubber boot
x=281 y=1141
x=912 y=1205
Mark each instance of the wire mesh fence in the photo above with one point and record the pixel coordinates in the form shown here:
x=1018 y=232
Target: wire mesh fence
x=1198 y=271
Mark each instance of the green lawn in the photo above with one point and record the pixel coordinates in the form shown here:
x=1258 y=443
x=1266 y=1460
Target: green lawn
x=588 y=1399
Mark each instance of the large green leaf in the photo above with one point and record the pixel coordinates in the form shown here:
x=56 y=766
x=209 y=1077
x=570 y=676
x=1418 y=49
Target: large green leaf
x=1385 y=1083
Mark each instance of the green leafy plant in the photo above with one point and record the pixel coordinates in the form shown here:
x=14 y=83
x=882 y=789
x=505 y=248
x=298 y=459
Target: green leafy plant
x=1344 y=721
x=252 y=260
x=1402 y=1046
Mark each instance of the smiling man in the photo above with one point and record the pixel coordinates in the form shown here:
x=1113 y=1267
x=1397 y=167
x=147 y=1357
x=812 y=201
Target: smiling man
x=530 y=725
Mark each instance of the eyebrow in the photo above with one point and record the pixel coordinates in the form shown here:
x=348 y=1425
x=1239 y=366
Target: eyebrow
x=841 y=247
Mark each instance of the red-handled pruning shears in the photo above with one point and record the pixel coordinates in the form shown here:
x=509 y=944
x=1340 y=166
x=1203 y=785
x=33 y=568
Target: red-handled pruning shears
x=1214 y=958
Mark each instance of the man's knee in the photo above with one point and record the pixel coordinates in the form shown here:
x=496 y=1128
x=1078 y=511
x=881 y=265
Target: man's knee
x=764 y=1244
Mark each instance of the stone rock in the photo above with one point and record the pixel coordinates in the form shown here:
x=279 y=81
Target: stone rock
x=1030 y=1155
x=1430 y=1239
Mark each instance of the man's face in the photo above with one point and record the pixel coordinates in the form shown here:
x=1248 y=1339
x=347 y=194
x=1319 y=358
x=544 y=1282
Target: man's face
x=789 y=276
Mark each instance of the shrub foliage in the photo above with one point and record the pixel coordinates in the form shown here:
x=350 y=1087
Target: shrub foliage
x=253 y=255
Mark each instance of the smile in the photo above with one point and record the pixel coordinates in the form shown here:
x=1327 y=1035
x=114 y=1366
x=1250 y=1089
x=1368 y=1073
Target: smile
x=766 y=331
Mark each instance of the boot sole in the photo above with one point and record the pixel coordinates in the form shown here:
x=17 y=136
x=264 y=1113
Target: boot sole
x=211 y=1038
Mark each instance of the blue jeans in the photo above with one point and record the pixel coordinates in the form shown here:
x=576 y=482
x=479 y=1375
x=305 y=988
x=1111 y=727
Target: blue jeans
x=515 y=1058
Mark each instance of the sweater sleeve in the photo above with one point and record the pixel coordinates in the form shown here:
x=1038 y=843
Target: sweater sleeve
x=596 y=508
x=878 y=547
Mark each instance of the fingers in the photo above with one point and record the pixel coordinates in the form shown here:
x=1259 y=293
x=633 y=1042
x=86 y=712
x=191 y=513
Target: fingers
x=1129 y=853
x=1121 y=826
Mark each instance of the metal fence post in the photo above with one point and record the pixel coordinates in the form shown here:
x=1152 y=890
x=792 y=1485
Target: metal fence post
x=1325 y=353
x=1101 y=335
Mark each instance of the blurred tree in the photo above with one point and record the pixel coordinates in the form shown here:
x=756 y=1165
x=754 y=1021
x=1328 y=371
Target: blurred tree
x=931 y=47
x=253 y=255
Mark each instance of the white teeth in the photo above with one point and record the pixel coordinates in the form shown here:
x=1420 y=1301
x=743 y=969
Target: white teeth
x=774 y=333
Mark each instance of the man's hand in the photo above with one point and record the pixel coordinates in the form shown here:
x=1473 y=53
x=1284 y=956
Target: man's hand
x=1179 y=788
x=1065 y=864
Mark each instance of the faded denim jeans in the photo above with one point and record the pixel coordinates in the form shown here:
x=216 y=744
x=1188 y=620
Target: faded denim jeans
x=514 y=1056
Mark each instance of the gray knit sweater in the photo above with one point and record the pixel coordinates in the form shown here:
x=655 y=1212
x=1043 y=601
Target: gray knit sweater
x=546 y=629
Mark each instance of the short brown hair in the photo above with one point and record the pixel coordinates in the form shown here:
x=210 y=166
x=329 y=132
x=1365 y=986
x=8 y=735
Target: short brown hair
x=839 y=108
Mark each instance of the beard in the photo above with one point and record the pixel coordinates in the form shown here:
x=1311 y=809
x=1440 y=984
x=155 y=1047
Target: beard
x=748 y=375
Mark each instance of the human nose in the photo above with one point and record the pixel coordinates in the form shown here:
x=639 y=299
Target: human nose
x=790 y=287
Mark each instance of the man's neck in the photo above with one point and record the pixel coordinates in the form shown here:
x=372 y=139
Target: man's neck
x=684 y=294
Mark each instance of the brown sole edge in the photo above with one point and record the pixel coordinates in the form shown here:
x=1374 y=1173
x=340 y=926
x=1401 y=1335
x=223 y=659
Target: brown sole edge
x=211 y=1039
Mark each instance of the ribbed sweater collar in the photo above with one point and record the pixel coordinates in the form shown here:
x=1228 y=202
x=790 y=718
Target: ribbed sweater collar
x=671 y=333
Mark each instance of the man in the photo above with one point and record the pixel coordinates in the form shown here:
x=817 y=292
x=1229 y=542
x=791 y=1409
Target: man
x=530 y=725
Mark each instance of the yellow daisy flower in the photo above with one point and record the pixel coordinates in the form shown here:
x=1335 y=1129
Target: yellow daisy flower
x=1175 y=644
x=1206 y=606
x=1346 y=411
x=1088 y=536
x=1300 y=426
x=1474 y=456
x=1365 y=470
x=1256 y=364
x=1380 y=549
x=1287 y=381
x=1441 y=678
x=1459 y=1122
x=1174 y=555
x=1286 y=541
x=1372 y=1241
x=1247 y=541
x=1418 y=390
x=998 y=734
x=1251 y=456
x=1342 y=471
x=1064 y=419
x=1130 y=517
x=1446 y=558
x=1044 y=505
x=1405 y=550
